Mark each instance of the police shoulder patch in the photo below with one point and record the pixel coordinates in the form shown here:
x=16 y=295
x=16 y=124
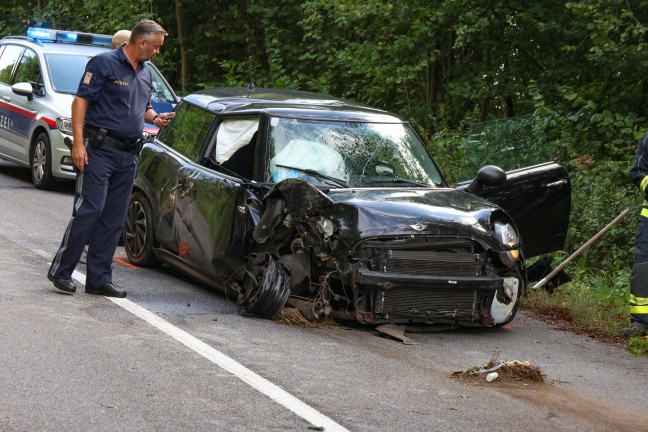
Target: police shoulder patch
x=87 y=78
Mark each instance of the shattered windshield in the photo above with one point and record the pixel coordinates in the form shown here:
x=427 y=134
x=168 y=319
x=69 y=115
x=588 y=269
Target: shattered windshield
x=360 y=154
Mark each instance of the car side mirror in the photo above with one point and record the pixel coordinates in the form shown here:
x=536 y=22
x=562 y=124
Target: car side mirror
x=23 y=89
x=489 y=175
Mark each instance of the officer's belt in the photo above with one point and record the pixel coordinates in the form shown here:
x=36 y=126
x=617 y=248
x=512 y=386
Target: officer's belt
x=124 y=144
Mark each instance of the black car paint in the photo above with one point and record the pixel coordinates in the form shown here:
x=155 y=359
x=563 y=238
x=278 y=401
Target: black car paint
x=217 y=227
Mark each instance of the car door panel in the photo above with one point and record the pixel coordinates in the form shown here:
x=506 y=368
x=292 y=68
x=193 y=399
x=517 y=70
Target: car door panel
x=204 y=217
x=14 y=121
x=538 y=199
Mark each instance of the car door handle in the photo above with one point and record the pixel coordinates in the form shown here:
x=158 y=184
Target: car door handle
x=556 y=183
x=182 y=187
x=227 y=185
x=7 y=98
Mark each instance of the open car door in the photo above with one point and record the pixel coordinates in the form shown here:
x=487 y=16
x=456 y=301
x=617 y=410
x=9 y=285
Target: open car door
x=537 y=192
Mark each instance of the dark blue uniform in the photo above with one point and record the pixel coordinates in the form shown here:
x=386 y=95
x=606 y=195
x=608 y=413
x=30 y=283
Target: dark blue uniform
x=118 y=96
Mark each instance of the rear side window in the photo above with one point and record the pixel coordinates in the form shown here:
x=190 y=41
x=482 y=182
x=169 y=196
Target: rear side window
x=187 y=131
x=8 y=60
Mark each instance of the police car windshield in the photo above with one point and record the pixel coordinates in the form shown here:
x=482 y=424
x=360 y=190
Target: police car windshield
x=66 y=71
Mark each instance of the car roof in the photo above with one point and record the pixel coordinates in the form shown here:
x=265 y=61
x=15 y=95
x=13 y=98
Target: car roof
x=54 y=47
x=287 y=103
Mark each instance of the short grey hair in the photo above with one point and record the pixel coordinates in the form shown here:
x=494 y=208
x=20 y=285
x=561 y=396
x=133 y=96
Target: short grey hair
x=146 y=29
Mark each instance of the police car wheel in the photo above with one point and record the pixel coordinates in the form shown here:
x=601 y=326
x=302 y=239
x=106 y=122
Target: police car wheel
x=138 y=232
x=40 y=161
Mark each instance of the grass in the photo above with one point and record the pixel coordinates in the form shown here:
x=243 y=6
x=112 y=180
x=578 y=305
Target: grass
x=593 y=304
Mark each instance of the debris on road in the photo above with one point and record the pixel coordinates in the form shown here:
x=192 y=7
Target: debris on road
x=396 y=332
x=511 y=370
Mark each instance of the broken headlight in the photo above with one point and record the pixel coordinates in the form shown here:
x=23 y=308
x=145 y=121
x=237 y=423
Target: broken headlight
x=505 y=233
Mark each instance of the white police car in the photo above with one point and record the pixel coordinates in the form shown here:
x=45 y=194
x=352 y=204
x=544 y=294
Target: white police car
x=39 y=75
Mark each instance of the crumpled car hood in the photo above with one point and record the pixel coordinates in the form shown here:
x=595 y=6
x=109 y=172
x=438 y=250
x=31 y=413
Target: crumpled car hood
x=380 y=212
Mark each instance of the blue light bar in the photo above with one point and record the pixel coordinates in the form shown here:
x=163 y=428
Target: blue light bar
x=69 y=36
x=41 y=34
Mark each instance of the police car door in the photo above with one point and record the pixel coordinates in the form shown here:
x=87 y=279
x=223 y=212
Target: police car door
x=14 y=125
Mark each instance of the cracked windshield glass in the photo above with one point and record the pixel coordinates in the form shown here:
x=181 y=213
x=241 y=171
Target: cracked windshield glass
x=353 y=154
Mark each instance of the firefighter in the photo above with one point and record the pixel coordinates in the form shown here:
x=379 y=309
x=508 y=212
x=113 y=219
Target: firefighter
x=639 y=277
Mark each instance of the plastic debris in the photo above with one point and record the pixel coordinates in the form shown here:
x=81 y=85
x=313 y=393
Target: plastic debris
x=492 y=376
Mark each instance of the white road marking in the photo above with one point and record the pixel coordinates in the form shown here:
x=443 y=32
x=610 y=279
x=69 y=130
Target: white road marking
x=257 y=382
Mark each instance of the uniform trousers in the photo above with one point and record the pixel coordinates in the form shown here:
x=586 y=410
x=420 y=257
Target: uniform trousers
x=102 y=194
x=639 y=276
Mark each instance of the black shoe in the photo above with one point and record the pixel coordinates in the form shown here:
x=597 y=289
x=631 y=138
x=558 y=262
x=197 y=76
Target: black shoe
x=66 y=285
x=107 y=290
x=636 y=329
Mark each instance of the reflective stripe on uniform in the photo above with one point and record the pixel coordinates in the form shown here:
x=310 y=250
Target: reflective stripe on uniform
x=638 y=305
x=644 y=212
x=639 y=310
x=643 y=184
x=638 y=301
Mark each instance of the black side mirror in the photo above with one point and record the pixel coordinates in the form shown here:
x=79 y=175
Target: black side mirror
x=489 y=175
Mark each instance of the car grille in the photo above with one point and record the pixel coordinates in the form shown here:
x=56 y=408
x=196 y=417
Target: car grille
x=428 y=256
x=433 y=257
x=434 y=305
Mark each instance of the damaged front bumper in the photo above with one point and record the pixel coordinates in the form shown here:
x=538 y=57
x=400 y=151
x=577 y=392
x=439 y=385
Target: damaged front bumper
x=463 y=300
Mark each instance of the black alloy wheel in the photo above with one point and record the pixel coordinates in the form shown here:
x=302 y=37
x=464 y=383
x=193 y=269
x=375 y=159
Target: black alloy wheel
x=139 y=234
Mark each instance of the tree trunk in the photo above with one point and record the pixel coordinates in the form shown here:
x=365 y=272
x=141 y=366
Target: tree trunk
x=182 y=43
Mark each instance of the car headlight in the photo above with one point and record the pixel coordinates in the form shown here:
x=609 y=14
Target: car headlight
x=505 y=233
x=64 y=125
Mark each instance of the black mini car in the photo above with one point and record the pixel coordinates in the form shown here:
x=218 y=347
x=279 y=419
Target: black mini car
x=285 y=197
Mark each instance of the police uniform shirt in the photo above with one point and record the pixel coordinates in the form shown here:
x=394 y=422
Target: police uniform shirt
x=118 y=95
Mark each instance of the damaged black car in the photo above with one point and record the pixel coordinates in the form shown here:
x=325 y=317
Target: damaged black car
x=285 y=198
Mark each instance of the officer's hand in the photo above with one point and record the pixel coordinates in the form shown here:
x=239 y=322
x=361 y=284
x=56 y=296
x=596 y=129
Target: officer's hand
x=79 y=155
x=164 y=119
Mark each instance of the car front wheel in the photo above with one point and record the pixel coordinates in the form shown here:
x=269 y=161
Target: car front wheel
x=138 y=232
x=40 y=160
x=266 y=286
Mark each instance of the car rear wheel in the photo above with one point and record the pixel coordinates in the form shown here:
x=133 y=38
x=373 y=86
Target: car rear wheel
x=138 y=232
x=40 y=161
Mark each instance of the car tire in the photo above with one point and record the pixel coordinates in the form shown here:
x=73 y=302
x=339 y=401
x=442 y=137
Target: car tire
x=266 y=287
x=40 y=162
x=138 y=235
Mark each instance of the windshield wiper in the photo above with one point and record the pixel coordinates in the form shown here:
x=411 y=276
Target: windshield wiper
x=314 y=173
x=400 y=180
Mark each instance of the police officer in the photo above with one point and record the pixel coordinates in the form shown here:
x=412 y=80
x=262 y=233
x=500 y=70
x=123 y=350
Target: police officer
x=639 y=276
x=108 y=115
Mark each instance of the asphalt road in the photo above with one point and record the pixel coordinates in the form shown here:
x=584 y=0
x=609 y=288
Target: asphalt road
x=176 y=356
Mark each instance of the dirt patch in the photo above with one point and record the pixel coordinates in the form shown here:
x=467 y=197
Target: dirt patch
x=293 y=317
x=561 y=318
x=555 y=314
x=498 y=373
x=526 y=382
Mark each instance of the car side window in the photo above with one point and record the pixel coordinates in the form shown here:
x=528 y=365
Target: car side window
x=511 y=144
x=8 y=60
x=161 y=92
x=187 y=131
x=29 y=71
x=236 y=145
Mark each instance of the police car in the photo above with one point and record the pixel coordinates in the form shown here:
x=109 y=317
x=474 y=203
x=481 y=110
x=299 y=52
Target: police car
x=39 y=75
